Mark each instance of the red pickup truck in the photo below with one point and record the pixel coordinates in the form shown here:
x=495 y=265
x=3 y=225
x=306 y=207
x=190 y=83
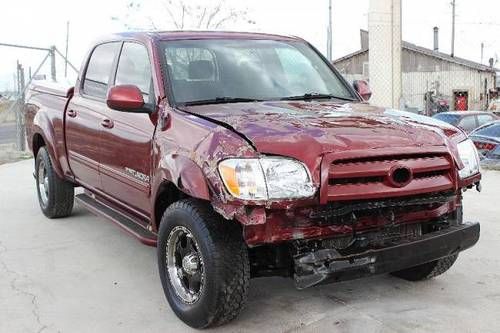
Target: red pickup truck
x=242 y=155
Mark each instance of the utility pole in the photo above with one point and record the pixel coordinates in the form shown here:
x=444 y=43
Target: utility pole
x=52 y=54
x=453 y=28
x=482 y=52
x=66 y=53
x=20 y=137
x=329 y=32
x=18 y=79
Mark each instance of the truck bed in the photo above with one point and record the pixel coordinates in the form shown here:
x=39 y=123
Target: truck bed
x=52 y=98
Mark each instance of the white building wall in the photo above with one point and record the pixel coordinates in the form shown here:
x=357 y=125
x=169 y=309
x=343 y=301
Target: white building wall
x=415 y=84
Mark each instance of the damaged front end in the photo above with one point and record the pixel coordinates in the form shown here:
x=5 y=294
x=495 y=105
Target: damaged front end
x=364 y=223
x=387 y=250
x=336 y=242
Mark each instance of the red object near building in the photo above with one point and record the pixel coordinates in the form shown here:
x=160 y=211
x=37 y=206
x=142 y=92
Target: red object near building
x=461 y=102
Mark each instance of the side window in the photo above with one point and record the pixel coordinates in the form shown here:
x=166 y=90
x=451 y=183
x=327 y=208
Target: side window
x=484 y=118
x=98 y=71
x=134 y=68
x=468 y=123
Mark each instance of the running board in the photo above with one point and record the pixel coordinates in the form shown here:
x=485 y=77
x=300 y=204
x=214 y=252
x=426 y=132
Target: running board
x=125 y=222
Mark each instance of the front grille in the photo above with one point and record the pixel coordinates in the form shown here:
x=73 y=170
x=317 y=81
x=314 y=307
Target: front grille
x=358 y=180
x=372 y=177
x=335 y=211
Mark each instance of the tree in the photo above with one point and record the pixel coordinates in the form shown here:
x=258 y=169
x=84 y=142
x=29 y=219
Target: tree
x=181 y=15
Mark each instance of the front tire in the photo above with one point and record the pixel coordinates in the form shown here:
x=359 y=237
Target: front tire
x=203 y=264
x=428 y=270
x=55 y=195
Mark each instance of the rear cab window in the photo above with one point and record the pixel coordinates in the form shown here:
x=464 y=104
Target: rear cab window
x=99 y=69
x=193 y=72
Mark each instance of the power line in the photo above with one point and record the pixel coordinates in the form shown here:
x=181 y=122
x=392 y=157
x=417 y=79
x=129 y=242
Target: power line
x=481 y=23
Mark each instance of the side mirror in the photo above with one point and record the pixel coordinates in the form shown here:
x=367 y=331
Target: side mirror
x=127 y=98
x=363 y=89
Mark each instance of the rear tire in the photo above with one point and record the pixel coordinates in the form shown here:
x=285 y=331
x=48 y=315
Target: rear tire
x=55 y=195
x=428 y=270
x=203 y=264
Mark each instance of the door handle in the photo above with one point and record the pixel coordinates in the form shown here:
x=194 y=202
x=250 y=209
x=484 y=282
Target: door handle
x=71 y=113
x=108 y=123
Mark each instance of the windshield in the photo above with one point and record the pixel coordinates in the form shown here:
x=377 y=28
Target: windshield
x=215 y=70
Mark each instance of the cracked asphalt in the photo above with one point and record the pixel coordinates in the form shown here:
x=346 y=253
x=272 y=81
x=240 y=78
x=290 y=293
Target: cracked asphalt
x=84 y=274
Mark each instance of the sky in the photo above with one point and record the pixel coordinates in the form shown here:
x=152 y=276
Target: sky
x=43 y=23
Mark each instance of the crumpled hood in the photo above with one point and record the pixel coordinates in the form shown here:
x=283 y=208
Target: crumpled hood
x=279 y=127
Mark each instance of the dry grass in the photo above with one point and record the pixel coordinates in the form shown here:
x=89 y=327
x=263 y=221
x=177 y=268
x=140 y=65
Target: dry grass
x=4 y=106
x=4 y=115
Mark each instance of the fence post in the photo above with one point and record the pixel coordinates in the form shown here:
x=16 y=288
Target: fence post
x=53 y=62
x=20 y=133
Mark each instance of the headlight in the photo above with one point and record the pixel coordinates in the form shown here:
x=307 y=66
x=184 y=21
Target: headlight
x=470 y=158
x=266 y=178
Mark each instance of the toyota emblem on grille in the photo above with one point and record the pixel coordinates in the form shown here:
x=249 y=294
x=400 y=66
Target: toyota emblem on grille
x=400 y=176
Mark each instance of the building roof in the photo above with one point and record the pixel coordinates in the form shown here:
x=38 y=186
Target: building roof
x=430 y=53
x=447 y=57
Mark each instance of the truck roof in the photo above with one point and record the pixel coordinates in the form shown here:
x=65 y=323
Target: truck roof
x=187 y=34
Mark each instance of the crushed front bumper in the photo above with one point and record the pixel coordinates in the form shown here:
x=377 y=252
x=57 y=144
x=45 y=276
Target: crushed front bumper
x=328 y=265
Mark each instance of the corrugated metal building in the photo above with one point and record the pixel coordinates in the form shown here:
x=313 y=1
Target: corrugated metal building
x=425 y=70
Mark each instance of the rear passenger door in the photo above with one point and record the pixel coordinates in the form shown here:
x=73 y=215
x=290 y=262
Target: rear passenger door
x=126 y=148
x=85 y=113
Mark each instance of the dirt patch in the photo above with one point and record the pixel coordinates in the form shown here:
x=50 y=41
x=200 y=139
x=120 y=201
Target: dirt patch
x=9 y=154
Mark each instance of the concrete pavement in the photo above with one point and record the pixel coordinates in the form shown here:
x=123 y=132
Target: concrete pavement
x=84 y=274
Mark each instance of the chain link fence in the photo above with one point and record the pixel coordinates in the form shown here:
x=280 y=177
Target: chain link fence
x=13 y=145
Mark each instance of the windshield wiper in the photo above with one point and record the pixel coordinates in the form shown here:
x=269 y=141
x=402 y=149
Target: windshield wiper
x=311 y=96
x=222 y=100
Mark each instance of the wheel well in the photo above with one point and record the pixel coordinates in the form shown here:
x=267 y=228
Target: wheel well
x=38 y=143
x=167 y=194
